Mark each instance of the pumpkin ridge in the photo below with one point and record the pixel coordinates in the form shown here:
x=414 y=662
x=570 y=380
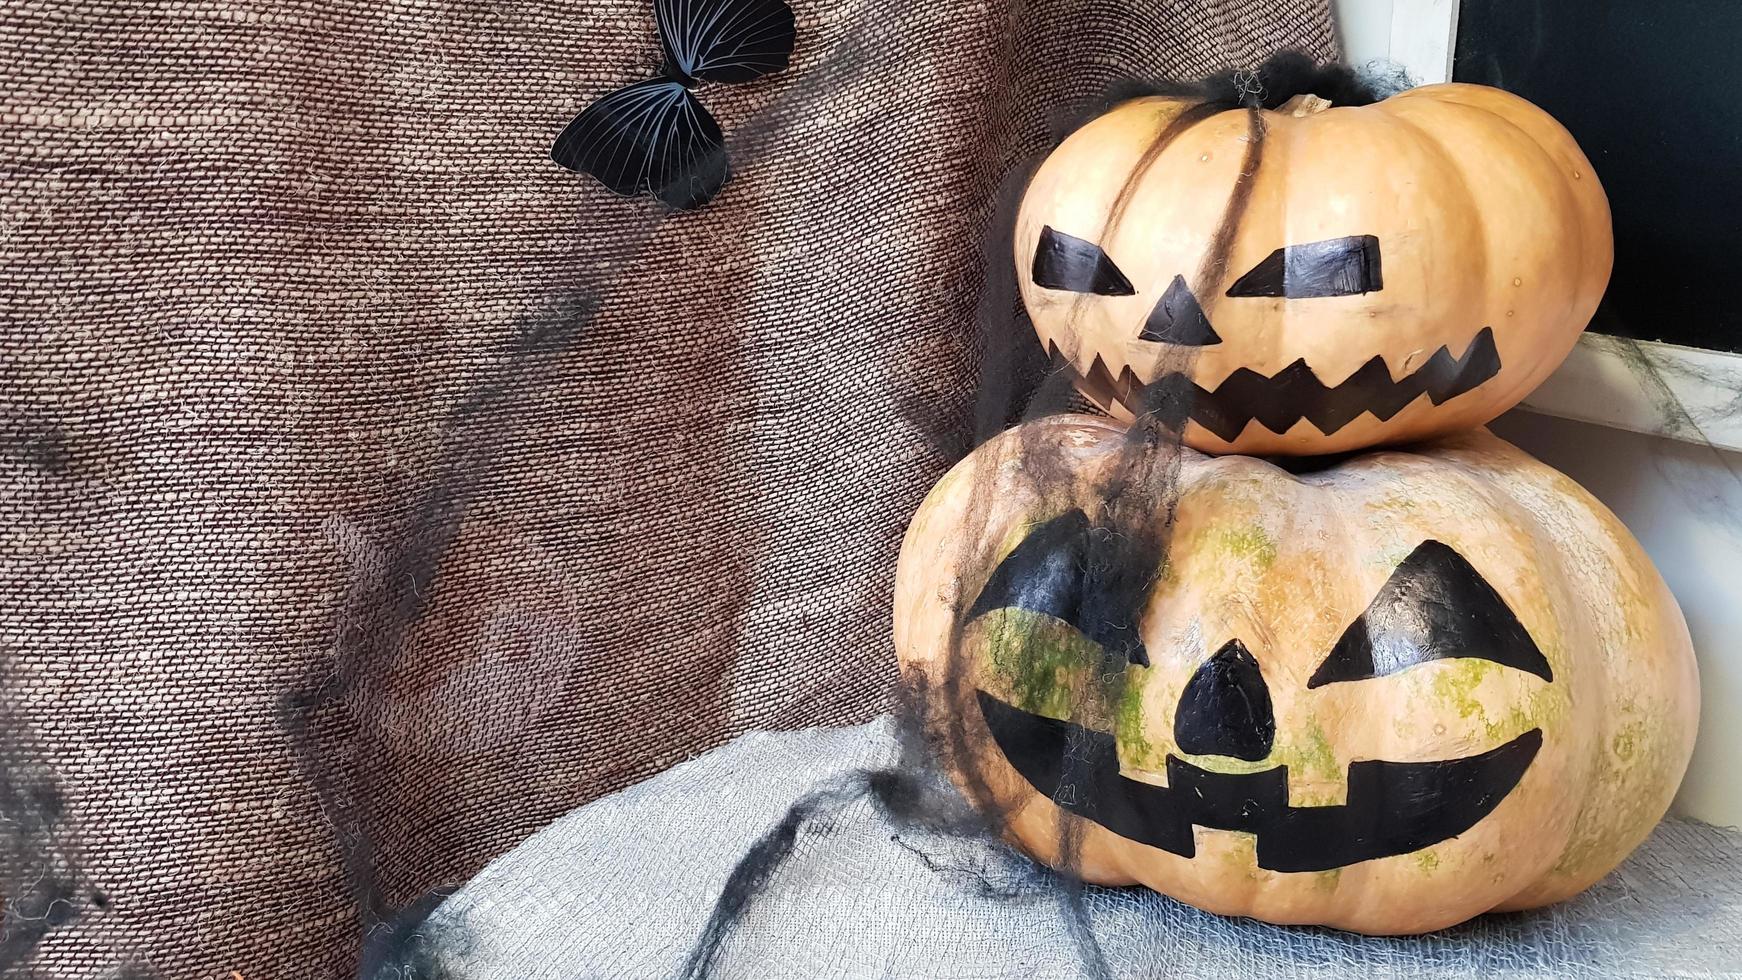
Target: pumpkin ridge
x=1182 y=122
x=1526 y=381
x=1215 y=263
x=1471 y=207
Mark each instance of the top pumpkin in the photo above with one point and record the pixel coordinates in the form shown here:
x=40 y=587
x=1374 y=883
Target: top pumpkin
x=1327 y=278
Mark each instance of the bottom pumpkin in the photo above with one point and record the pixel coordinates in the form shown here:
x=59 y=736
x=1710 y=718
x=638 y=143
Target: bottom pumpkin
x=1386 y=695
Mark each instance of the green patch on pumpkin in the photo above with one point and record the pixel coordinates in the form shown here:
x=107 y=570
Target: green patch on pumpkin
x=1544 y=709
x=1456 y=683
x=1396 y=503
x=1241 y=856
x=1311 y=762
x=1228 y=765
x=1634 y=769
x=1251 y=544
x=1043 y=664
x=1629 y=743
x=1128 y=719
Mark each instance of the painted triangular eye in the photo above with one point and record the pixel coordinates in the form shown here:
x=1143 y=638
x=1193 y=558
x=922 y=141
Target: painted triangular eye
x=1335 y=267
x=1179 y=320
x=1072 y=264
x=1058 y=571
x=1436 y=606
x=1044 y=574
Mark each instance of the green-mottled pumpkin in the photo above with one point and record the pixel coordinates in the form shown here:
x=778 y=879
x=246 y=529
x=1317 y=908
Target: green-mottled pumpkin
x=1387 y=695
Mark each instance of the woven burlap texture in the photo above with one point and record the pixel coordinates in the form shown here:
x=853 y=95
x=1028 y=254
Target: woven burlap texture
x=376 y=492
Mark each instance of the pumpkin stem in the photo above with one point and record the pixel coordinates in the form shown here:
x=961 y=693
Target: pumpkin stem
x=1305 y=104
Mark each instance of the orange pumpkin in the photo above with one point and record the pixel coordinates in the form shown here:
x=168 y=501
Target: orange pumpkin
x=1386 y=696
x=1314 y=279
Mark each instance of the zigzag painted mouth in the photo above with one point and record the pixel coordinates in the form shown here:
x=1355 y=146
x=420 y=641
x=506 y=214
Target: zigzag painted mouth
x=1279 y=402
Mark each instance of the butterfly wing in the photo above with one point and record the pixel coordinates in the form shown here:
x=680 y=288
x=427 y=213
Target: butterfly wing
x=726 y=40
x=650 y=138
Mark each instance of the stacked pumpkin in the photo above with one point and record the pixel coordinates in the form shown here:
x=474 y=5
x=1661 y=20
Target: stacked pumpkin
x=1386 y=691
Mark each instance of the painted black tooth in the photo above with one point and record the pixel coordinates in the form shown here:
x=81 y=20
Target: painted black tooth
x=1121 y=389
x=1479 y=363
x=1227 y=411
x=1387 y=401
x=1398 y=808
x=1295 y=393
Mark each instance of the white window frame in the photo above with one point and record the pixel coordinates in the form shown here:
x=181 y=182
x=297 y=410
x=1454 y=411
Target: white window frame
x=1600 y=382
x=1418 y=34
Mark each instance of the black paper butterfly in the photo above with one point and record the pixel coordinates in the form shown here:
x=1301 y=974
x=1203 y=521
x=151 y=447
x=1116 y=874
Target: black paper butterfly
x=654 y=137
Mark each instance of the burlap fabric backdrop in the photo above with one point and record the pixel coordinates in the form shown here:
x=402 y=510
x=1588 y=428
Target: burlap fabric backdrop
x=375 y=492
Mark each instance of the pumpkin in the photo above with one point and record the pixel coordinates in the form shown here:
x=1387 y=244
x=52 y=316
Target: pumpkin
x=1386 y=695
x=1315 y=279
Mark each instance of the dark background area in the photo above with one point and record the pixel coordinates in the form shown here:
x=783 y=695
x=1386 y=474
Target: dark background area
x=1649 y=88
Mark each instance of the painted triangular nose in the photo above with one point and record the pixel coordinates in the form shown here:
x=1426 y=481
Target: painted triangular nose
x=1179 y=320
x=1225 y=709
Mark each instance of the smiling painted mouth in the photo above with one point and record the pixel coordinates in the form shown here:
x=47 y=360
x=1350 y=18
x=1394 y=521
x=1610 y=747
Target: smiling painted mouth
x=1393 y=807
x=1282 y=400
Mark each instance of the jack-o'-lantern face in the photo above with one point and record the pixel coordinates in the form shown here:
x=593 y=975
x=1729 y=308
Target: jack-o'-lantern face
x=1434 y=607
x=1386 y=695
x=1316 y=280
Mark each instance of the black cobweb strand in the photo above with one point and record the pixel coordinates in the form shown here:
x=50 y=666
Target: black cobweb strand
x=1011 y=365
x=44 y=887
x=1014 y=368
x=1135 y=503
x=1015 y=380
x=39 y=880
x=384 y=602
x=895 y=789
x=1268 y=85
x=1133 y=506
x=1079 y=925
x=409 y=946
x=1682 y=424
x=1134 y=532
x=915 y=796
x=1126 y=553
x=755 y=871
x=909 y=797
